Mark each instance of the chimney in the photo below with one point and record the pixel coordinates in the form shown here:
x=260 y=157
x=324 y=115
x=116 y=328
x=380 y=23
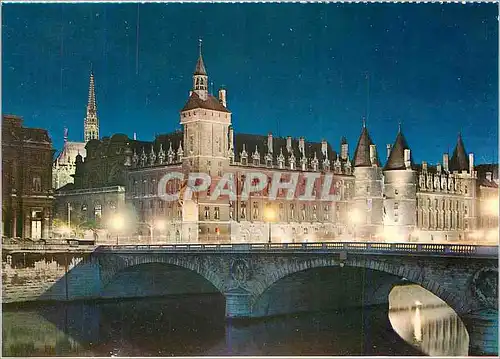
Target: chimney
x=289 y=143
x=445 y=162
x=438 y=168
x=222 y=97
x=190 y=93
x=407 y=158
x=324 y=147
x=389 y=147
x=471 y=163
x=424 y=166
x=344 y=151
x=270 y=142
x=135 y=136
x=231 y=137
x=489 y=176
x=301 y=145
x=373 y=154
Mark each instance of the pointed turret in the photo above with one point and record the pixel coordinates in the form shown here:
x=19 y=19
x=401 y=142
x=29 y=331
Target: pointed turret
x=200 y=78
x=200 y=66
x=459 y=160
x=400 y=154
x=91 y=123
x=362 y=152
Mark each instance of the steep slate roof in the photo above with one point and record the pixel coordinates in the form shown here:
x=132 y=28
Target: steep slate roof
x=200 y=66
x=396 y=159
x=459 y=160
x=251 y=141
x=211 y=103
x=362 y=152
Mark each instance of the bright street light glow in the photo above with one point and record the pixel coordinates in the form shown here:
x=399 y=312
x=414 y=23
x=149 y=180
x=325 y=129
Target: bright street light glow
x=160 y=224
x=269 y=215
x=117 y=222
x=490 y=207
x=355 y=216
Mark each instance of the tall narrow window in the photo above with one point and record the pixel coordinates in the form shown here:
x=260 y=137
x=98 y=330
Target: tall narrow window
x=37 y=184
x=207 y=212
x=216 y=213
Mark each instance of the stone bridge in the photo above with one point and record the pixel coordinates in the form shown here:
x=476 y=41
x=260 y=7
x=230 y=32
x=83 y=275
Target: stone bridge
x=265 y=279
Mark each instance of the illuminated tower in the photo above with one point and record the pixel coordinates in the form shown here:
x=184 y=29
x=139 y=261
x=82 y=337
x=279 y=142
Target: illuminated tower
x=91 y=122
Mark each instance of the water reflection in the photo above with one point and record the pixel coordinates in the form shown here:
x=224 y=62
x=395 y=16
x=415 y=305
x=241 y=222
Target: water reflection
x=191 y=326
x=427 y=323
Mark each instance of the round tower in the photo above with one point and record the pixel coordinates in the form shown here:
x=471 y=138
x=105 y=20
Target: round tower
x=400 y=193
x=365 y=217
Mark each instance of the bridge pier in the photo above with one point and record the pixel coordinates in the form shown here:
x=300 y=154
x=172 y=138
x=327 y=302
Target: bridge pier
x=483 y=332
x=238 y=304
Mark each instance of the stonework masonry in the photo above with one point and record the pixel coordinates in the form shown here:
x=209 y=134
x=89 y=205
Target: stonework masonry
x=254 y=284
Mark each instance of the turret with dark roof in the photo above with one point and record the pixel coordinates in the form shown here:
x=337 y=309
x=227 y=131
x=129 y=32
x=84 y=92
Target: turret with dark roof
x=459 y=160
x=396 y=160
x=362 y=152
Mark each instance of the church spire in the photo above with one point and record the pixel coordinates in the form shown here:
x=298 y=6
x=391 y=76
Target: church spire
x=200 y=77
x=91 y=123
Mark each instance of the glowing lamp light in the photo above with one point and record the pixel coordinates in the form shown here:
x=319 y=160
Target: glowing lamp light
x=269 y=215
x=160 y=224
x=355 y=216
x=492 y=235
x=491 y=207
x=117 y=222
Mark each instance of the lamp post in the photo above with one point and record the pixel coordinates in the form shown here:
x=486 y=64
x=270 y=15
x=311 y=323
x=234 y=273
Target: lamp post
x=117 y=225
x=269 y=216
x=69 y=217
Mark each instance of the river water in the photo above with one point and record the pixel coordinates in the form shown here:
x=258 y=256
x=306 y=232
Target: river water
x=195 y=325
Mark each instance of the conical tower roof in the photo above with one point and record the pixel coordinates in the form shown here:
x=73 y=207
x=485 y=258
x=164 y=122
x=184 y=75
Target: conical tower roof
x=362 y=152
x=200 y=66
x=459 y=160
x=396 y=159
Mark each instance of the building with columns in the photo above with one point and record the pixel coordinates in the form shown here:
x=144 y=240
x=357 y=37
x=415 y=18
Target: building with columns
x=27 y=195
x=396 y=201
x=65 y=163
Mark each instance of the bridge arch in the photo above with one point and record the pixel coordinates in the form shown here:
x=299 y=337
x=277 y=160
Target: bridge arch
x=413 y=274
x=111 y=266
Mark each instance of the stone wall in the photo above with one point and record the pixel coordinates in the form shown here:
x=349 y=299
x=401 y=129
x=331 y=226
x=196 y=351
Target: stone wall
x=60 y=276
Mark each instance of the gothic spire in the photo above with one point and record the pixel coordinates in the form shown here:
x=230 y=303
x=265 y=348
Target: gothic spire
x=91 y=123
x=91 y=106
x=200 y=78
x=200 y=66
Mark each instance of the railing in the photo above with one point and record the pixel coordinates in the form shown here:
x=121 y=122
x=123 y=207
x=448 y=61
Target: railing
x=354 y=247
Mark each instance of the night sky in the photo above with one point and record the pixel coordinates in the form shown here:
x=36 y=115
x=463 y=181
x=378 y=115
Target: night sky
x=293 y=69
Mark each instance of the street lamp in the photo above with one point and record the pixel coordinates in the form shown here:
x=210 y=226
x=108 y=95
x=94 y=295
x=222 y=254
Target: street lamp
x=269 y=216
x=117 y=224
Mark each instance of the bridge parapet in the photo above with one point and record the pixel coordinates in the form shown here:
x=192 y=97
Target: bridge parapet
x=448 y=250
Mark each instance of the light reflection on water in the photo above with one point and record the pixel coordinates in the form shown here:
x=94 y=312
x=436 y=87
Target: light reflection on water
x=426 y=322
x=184 y=327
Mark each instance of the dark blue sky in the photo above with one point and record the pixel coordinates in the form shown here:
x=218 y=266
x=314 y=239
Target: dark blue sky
x=293 y=69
